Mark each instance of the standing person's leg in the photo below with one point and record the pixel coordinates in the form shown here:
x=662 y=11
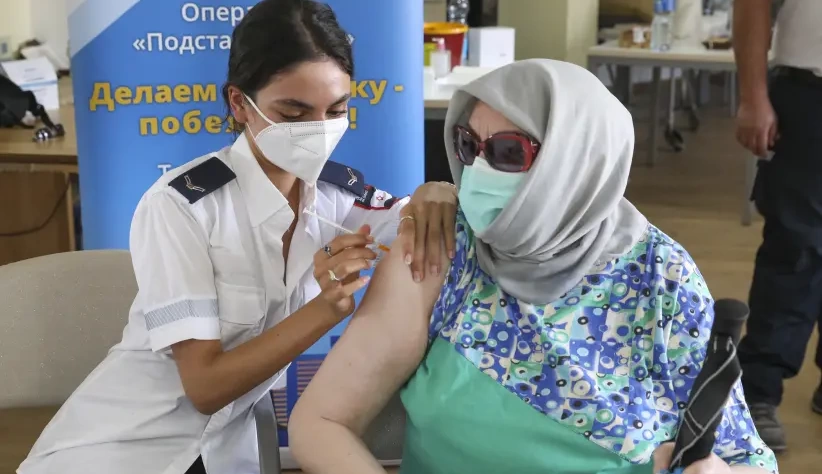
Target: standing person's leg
x=786 y=292
x=816 y=402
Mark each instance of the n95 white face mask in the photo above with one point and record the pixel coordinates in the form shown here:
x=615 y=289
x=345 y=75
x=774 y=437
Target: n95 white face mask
x=299 y=148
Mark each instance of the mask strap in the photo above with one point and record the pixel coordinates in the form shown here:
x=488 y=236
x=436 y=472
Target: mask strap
x=256 y=109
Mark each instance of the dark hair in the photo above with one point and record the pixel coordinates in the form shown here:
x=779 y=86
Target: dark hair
x=277 y=35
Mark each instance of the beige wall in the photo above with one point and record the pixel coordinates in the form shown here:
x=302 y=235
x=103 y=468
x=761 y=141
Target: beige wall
x=541 y=26
x=555 y=29
x=51 y=28
x=435 y=10
x=583 y=18
x=15 y=20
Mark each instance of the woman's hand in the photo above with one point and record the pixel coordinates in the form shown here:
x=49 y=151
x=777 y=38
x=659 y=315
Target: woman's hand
x=337 y=269
x=710 y=465
x=426 y=220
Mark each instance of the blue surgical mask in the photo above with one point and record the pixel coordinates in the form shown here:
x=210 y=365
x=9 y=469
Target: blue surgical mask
x=484 y=192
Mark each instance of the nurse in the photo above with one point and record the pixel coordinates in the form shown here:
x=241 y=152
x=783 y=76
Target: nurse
x=235 y=280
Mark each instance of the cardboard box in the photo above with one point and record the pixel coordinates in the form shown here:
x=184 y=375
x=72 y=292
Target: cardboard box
x=38 y=76
x=491 y=46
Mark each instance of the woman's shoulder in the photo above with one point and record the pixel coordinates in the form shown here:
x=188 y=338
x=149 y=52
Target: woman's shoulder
x=677 y=264
x=656 y=253
x=677 y=286
x=192 y=181
x=186 y=195
x=663 y=273
x=658 y=243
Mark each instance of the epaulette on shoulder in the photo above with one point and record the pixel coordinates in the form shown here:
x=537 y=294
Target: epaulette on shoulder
x=203 y=179
x=344 y=177
x=351 y=180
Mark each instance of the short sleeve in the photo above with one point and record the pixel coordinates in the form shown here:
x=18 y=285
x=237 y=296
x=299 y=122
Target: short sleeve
x=174 y=274
x=737 y=441
x=381 y=211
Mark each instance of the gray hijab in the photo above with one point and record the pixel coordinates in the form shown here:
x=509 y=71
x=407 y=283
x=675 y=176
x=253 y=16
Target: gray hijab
x=569 y=213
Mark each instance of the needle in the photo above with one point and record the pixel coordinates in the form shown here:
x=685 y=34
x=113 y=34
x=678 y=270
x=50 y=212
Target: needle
x=379 y=245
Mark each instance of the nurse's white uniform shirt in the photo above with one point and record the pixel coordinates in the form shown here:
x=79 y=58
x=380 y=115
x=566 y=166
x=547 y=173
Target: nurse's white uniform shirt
x=206 y=243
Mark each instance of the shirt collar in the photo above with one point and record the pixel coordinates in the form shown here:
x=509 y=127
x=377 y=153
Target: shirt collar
x=262 y=199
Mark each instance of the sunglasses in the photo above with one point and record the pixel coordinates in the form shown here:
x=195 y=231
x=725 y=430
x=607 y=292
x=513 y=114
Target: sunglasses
x=510 y=152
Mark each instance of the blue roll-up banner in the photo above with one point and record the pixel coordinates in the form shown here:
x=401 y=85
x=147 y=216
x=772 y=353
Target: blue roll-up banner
x=147 y=76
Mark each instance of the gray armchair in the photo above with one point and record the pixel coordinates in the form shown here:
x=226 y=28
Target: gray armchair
x=59 y=316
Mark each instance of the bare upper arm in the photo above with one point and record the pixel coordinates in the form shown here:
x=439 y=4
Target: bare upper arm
x=382 y=346
x=193 y=358
x=193 y=355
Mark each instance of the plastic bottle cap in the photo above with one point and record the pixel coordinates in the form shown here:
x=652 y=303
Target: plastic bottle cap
x=440 y=44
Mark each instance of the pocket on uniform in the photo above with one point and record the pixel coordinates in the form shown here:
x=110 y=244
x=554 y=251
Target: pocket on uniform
x=240 y=304
x=241 y=311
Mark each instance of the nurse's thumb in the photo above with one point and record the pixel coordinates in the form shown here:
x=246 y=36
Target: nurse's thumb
x=365 y=230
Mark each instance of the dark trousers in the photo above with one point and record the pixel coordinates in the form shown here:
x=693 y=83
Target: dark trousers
x=197 y=467
x=786 y=292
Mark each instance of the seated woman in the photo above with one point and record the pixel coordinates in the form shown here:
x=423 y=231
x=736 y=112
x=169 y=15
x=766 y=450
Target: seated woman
x=569 y=330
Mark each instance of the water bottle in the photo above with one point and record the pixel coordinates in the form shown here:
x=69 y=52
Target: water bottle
x=457 y=11
x=661 y=26
x=670 y=14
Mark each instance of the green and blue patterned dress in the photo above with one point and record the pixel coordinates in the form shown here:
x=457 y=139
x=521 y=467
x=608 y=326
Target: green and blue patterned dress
x=591 y=383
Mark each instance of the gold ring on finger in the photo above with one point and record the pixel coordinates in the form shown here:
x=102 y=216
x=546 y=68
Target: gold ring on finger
x=333 y=276
x=409 y=217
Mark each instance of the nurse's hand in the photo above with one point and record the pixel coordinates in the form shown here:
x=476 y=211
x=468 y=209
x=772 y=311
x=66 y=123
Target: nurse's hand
x=710 y=465
x=337 y=269
x=426 y=221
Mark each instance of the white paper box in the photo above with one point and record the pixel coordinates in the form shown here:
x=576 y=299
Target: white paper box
x=36 y=75
x=491 y=46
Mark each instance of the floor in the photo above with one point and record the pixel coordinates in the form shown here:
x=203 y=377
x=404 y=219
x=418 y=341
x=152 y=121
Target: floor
x=695 y=197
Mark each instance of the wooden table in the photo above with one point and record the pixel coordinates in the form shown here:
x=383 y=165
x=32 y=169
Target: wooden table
x=36 y=191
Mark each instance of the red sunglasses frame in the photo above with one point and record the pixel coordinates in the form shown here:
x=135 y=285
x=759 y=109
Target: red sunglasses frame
x=530 y=148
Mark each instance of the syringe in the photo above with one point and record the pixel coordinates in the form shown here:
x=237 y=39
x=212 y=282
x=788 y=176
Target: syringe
x=333 y=224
